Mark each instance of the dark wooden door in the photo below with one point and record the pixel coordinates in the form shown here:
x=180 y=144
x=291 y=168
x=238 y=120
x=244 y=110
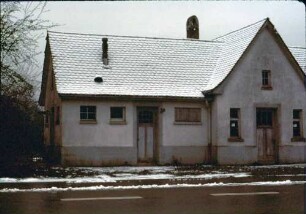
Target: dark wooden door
x=266 y=134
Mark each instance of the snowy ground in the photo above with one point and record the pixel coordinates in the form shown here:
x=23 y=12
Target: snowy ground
x=97 y=178
x=154 y=186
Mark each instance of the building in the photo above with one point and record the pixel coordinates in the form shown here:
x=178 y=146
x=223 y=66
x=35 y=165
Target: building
x=115 y=100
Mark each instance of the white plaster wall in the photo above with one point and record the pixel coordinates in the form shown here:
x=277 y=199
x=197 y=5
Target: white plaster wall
x=243 y=90
x=185 y=134
x=102 y=134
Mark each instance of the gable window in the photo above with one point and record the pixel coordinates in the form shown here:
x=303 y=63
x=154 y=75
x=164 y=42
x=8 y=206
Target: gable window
x=235 y=125
x=266 y=80
x=88 y=113
x=189 y=115
x=297 y=125
x=117 y=115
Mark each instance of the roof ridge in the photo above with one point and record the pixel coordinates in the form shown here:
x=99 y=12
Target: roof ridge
x=265 y=19
x=140 y=37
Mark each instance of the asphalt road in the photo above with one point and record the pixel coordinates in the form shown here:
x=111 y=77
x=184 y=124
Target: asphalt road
x=285 y=199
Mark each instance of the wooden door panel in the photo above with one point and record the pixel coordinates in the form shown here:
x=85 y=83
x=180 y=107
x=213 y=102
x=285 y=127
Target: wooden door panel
x=150 y=140
x=260 y=139
x=266 y=135
x=146 y=134
x=141 y=142
x=269 y=142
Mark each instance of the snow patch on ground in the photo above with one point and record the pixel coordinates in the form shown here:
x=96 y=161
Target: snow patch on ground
x=130 y=169
x=217 y=175
x=154 y=186
x=122 y=177
x=95 y=179
x=302 y=165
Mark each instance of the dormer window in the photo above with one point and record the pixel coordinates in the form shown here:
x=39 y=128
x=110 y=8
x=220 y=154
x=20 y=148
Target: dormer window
x=266 y=80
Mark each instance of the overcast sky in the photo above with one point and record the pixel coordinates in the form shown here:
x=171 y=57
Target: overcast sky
x=168 y=18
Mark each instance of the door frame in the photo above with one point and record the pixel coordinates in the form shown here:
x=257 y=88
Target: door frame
x=276 y=127
x=155 y=111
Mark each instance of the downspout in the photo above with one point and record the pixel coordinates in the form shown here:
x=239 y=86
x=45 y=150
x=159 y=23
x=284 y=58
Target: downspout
x=209 y=98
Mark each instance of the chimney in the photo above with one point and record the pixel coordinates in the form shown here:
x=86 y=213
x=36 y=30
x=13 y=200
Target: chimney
x=104 y=51
x=192 y=27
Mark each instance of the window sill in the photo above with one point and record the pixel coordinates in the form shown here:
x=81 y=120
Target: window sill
x=112 y=122
x=266 y=87
x=235 y=139
x=187 y=123
x=88 y=122
x=298 y=139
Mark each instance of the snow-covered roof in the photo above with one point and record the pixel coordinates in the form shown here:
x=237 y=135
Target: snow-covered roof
x=234 y=45
x=149 y=67
x=137 y=66
x=299 y=54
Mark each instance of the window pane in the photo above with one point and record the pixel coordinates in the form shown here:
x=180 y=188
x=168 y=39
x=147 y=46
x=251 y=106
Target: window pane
x=91 y=109
x=116 y=112
x=234 y=129
x=296 y=114
x=269 y=118
x=234 y=113
x=264 y=117
x=145 y=116
x=266 y=78
x=91 y=116
x=234 y=122
x=296 y=129
x=83 y=116
x=87 y=112
x=83 y=108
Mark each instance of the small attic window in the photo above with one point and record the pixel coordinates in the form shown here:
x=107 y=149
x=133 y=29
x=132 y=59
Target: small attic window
x=98 y=79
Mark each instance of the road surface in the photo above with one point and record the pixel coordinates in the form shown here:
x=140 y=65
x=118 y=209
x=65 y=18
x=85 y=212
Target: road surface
x=284 y=199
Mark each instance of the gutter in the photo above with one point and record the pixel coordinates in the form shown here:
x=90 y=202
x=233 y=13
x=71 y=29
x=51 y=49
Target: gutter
x=128 y=97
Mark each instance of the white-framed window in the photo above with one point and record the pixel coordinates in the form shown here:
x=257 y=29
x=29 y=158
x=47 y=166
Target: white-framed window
x=297 y=126
x=187 y=115
x=266 y=80
x=235 y=123
x=88 y=113
x=117 y=114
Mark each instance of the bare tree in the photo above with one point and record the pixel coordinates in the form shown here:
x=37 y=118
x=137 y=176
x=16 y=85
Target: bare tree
x=21 y=27
x=21 y=124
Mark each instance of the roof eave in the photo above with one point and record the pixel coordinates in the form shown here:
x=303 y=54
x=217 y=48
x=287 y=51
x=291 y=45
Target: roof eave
x=66 y=96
